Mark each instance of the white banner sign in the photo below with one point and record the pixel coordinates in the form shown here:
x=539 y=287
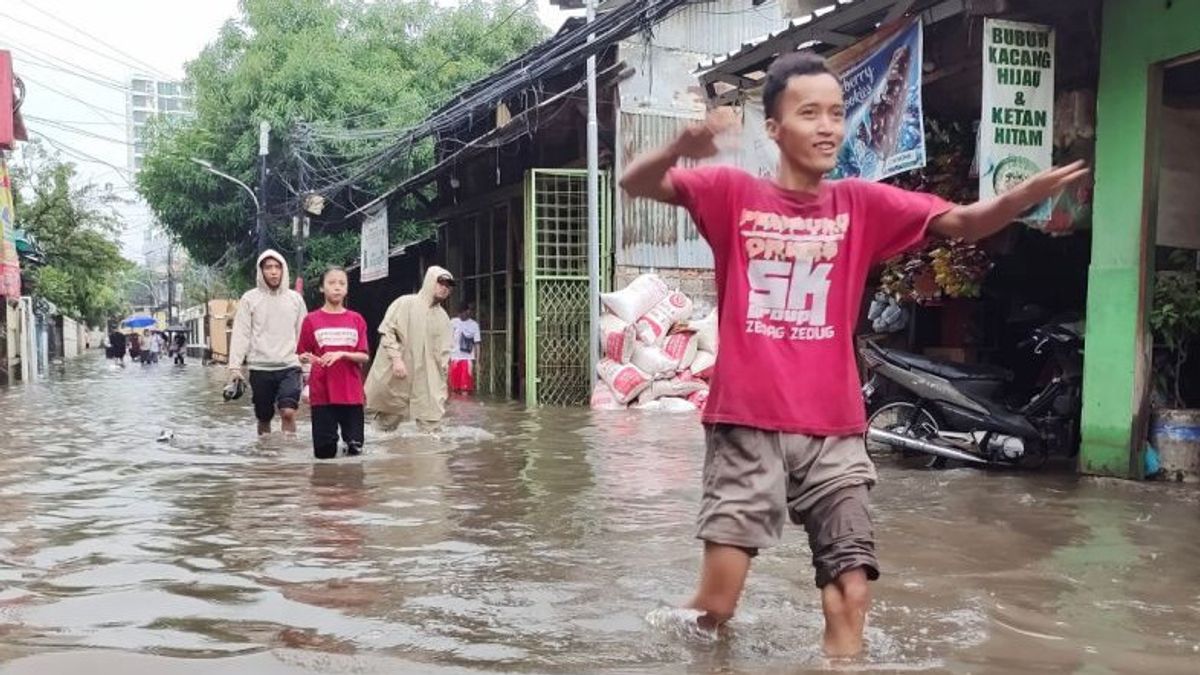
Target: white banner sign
x=374 y=252
x=1016 y=133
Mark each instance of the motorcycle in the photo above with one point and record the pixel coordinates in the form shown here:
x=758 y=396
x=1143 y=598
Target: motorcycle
x=950 y=411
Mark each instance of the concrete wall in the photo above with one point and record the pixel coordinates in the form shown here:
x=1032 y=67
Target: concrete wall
x=1137 y=38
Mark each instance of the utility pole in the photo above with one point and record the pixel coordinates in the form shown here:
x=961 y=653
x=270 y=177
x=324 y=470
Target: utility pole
x=170 y=283
x=593 y=191
x=300 y=226
x=264 y=139
x=300 y=233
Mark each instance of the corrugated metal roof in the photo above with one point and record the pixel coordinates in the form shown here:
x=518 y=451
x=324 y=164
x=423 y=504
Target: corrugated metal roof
x=792 y=25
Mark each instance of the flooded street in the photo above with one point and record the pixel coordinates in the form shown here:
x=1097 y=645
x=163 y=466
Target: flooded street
x=527 y=542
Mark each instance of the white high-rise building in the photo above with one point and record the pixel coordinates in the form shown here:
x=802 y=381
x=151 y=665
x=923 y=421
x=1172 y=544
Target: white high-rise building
x=149 y=97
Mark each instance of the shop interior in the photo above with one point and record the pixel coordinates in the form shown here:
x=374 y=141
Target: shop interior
x=975 y=305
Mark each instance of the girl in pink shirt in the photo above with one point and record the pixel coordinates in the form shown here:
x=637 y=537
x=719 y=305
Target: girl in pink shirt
x=333 y=340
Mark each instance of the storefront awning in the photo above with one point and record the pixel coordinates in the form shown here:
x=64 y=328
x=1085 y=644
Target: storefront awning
x=828 y=30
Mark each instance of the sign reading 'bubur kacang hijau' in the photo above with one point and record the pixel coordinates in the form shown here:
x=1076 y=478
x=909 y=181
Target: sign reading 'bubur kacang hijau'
x=1016 y=136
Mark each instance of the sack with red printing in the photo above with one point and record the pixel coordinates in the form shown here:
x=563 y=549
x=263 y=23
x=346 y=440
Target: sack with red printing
x=702 y=366
x=654 y=362
x=654 y=324
x=677 y=388
x=639 y=297
x=603 y=398
x=618 y=337
x=625 y=380
x=707 y=332
x=699 y=399
x=682 y=348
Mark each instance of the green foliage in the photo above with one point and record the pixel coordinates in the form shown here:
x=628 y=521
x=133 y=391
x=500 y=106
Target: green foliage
x=1175 y=322
x=75 y=227
x=341 y=63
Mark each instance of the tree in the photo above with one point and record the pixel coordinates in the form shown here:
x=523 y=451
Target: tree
x=76 y=228
x=337 y=64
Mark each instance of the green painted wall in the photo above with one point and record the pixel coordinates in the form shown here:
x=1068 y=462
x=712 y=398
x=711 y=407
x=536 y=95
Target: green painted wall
x=1137 y=35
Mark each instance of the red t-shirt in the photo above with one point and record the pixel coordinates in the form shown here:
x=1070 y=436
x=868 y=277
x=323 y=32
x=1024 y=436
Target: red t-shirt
x=790 y=271
x=323 y=332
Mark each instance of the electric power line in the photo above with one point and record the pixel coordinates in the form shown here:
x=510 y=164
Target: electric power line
x=61 y=62
x=32 y=26
x=122 y=173
x=104 y=111
x=83 y=32
x=31 y=61
x=73 y=130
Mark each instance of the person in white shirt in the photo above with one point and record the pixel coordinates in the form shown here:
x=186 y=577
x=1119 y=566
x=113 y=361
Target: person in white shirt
x=156 y=346
x=464 y=347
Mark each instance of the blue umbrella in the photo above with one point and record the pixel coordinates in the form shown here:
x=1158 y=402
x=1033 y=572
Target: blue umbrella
x=139 y=321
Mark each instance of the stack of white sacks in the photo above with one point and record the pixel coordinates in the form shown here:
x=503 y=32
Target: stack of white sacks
x=656 y=357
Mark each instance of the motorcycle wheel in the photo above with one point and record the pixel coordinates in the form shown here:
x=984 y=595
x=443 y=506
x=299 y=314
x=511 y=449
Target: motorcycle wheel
x=905 y=418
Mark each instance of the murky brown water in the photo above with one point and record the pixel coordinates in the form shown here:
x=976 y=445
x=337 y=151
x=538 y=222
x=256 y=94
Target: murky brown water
x=529 y=542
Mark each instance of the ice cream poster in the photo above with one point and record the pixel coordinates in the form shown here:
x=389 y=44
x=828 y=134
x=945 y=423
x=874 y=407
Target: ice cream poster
x=885 y=130
x=1016 y=134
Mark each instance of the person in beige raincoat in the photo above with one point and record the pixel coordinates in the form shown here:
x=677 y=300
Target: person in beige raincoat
x=408 y=377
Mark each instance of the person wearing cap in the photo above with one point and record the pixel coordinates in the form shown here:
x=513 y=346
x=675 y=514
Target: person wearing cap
x=266 y=329
x=408 y=376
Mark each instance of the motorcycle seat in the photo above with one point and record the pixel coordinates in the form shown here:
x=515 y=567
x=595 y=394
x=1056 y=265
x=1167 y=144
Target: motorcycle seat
x=947 y=369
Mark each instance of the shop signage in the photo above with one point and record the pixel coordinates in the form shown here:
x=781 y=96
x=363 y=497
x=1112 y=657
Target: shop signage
x=10 y=266
x=1016 y=132
x=885 y=129
x=374 y=242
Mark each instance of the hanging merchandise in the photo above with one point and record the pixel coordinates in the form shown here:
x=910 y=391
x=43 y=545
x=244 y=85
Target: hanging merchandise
x=940 y=269
x=1016 y=136
x=884 y=123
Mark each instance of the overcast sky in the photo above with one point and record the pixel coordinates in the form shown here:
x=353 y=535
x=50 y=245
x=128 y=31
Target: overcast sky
x=155 y=37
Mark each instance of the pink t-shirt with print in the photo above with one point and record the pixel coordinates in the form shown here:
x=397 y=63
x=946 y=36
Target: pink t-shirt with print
x=790 y=270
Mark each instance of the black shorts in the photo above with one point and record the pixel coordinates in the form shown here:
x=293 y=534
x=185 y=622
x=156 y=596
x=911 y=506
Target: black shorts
x=275 y=389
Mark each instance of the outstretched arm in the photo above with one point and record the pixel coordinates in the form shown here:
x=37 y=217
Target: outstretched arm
x=985 y=218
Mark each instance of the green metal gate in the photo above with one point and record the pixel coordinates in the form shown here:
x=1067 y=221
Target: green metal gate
x=556 y=283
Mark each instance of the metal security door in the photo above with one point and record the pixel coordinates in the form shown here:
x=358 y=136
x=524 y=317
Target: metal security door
x=556 y=283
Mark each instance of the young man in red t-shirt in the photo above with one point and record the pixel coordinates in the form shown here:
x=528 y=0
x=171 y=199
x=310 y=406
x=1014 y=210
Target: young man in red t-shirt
x=785 y=418
x=333 y=340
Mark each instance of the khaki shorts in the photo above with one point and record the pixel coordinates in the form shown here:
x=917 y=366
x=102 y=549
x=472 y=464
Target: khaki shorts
x=753 y=476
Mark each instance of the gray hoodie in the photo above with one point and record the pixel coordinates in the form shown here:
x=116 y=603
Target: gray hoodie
x=267 y=325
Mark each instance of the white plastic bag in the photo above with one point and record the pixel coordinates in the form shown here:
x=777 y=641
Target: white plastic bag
x=625 y=380
x=639 y=297
x=654 y=324
x=618 y=337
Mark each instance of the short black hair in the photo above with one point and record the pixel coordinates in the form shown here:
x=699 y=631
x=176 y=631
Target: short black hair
x=332 y=268
x=794 y=64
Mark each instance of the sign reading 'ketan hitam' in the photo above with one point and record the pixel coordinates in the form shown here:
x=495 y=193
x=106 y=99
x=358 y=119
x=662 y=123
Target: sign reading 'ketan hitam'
x=1016 y=134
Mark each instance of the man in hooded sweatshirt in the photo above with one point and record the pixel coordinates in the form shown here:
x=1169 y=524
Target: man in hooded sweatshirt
x=266 y=329
x=408 y=377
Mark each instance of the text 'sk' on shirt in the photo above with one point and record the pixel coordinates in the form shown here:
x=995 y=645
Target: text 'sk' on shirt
x=790 y=270
x=323 y=332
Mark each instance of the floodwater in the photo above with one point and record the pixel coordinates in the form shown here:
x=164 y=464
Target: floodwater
x=531 y=542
